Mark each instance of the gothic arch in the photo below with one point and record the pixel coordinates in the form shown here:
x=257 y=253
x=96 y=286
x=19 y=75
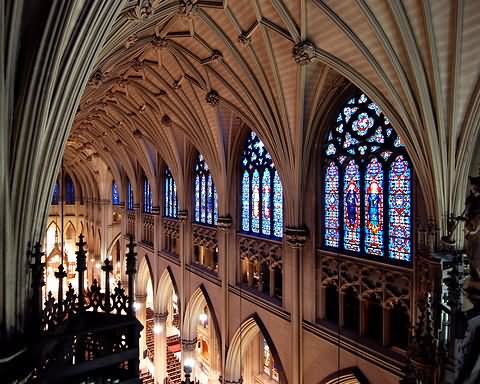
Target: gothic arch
x=115 y=239
x=144 y=273
x=194 y=307
x=165 y=289
x=245 y=334
x=351 y=375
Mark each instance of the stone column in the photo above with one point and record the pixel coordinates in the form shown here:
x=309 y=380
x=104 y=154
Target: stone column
x=295 y=238
x=140 y=313
x=386 y=326
x=188 y=352
x=223 y=237
x=160 y=346
x=363 y=304
x=138 y=223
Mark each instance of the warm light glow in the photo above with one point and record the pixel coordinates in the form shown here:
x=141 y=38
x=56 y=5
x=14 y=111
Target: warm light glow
x=174 y=297
x=137 y=306
x=189 y=362
x=92 y=260
x=203 y=318
x=97 y=265
x=110 y=257
x=157 y=329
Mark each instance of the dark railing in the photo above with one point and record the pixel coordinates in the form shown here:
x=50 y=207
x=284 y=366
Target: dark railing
x=88 y=335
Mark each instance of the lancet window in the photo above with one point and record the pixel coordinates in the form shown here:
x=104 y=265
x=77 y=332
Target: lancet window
x=115 y=194
x=261 y=191
x=69 y=190
x=367 y=190
x=129 y=197
x=170 y=194
x=56 y=193
x=147 y=196
x=270 y=367
x=205 y=201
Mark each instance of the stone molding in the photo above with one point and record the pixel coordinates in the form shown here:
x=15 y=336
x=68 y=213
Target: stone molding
x=224 y=223
x=189 y=345
x=182 y=215
x=296 y=236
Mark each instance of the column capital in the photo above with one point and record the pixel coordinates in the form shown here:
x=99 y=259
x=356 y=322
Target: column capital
x=189 y=345
x=230 y=381
x=224 y=223
x=140 y=298
x=296 y=236
x=160 y=317
x=182 y=215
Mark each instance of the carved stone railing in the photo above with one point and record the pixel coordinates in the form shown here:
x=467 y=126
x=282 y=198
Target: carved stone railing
x=171 y=236
x=148 y=228
x=262 y=265
x=131 y=223
x=205 y=246
x=387 y=285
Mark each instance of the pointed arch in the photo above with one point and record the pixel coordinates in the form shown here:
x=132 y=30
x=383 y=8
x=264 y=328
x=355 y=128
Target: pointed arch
x=351 y=375
x=194 y=307
x=68 y=231
x=245 y=334
x=144 y=273
x=165 y=289
x=115 y=239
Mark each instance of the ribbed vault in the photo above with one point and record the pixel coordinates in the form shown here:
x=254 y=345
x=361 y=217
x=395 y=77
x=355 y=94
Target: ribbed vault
x=195 y=71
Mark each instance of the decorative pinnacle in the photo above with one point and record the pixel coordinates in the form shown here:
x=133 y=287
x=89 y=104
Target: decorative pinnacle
x=304 y=52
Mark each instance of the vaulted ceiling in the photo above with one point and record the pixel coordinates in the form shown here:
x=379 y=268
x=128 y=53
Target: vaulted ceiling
x=176 y=74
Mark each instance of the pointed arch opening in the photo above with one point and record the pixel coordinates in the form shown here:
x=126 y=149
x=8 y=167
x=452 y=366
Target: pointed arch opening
x=252 y=341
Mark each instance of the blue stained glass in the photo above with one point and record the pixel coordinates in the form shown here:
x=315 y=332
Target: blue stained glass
x=246 y=201
x=277 y=206
x=203 y=196
x=115 y=194
x=215 y=206
x=331 y=150
x=331 y=223
x=351 y=202
x=129 y=197
x=363 y=123
x=348 y=112
x=56 y=194
x=147 y=196
x=174 y=199
x=266 y=209
x=375 y=107
x=399 y=209
x=256 y=202
x=262 y=198
x=197 y=198
x=374 y=208
x=69 y=190
x=209 y=200
x=362 y=198
x=170 y=194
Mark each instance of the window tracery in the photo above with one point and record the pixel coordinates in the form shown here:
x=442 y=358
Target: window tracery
x=69 y=190
x=115 y=194
x=205 y=201
x=261 y=191
x=147 y=196
x=56 y=193
x=367 y=199
x=170 y=195
x=129 y=196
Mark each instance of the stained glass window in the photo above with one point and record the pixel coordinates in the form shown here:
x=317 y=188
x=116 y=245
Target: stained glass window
x=147 y=196
x=205 y=199
x=56 y=193
x=170 y=195
x=270 y=368
x=129 y=197
x=367 y=196
x=261 y=191
x=115 y=194
x=69 y=190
